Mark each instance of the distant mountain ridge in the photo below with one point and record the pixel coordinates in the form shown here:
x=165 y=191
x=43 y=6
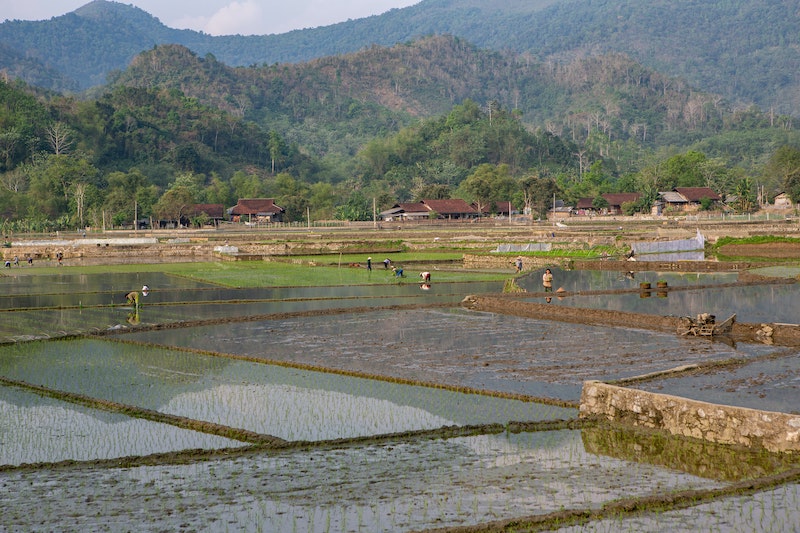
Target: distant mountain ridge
x=599 y=101
x=746 y=50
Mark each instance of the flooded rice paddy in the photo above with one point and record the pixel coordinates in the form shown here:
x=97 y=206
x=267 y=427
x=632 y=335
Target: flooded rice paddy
x=362 y=408
x=491 y=352
x=763 y=303
x=44 y=430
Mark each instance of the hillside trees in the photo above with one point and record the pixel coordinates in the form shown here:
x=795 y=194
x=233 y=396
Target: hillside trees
x=537 y=193
x=784 y=166
x=446 y=149
x=488 y=185
x=128 y=195
x=174 y=204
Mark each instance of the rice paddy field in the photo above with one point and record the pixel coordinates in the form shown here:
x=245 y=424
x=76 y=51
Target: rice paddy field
x=377 y=405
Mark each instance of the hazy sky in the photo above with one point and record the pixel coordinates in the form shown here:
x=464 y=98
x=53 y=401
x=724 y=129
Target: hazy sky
x=222 y=17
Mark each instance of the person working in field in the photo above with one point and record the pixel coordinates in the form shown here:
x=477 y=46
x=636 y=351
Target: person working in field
x=426 y=276
x=132 y=298
x=547 y=280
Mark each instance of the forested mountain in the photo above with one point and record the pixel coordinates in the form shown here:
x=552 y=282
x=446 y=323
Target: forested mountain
x=745 y=50
x=609 y=104
x=432 y=118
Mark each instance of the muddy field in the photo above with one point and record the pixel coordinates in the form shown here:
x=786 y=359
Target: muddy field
x=467 y=461
x=773 y=250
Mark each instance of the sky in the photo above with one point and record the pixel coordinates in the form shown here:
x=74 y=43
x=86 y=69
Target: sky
x=222 y=17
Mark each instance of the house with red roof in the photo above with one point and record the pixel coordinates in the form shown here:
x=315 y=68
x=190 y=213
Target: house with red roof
x=256 y=210
x=214 y=212
x=615 y=200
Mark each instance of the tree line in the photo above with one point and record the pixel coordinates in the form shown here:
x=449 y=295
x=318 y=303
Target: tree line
x=328 y=137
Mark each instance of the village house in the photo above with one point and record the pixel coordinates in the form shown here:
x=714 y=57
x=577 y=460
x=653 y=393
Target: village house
x=585 y=206
x=256 y=210
x=782 y=201
x=688 y=199
x=214 y=212
x=560 y=211
x=450 y=209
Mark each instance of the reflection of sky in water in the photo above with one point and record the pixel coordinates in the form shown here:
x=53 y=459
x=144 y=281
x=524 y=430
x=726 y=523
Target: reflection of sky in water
x=80 y=312
x=293 y=413
x=595 y=280
x=90 y=290
x=754 y=304
x=776 y=510
x=458 y=347
x=35 y=429
x=59 y=283
x=286 y=402
x=404 y=486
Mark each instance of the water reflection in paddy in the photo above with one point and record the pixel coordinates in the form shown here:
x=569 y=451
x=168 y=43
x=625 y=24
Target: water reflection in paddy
x=457 y=347
x=288 y=403
x=36 y=429
x=597 y=280
x=403 y=486
x=63 y=283
x=168 y=306
x=754 y=303
x=108 y=289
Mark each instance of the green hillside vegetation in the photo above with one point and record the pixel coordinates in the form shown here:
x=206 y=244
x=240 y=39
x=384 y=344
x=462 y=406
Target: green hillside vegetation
x=434 y=118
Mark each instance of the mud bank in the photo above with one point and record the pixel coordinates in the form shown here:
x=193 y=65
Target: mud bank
x=778 y=334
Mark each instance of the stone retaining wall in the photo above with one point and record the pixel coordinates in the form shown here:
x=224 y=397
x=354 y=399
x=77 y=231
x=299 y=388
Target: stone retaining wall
x=724 y=424
x=114 y=254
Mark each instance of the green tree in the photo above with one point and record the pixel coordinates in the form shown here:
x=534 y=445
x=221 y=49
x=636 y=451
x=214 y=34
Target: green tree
x=538 y=193
x=128 y=195
x=745 y=197
x=684 y=170
x=487 y=185
x=784 y=168
x=174 y=204
x=52 y=179
x=322 y=201
x=599 y=203
x=356 y=208
x=248 y=185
